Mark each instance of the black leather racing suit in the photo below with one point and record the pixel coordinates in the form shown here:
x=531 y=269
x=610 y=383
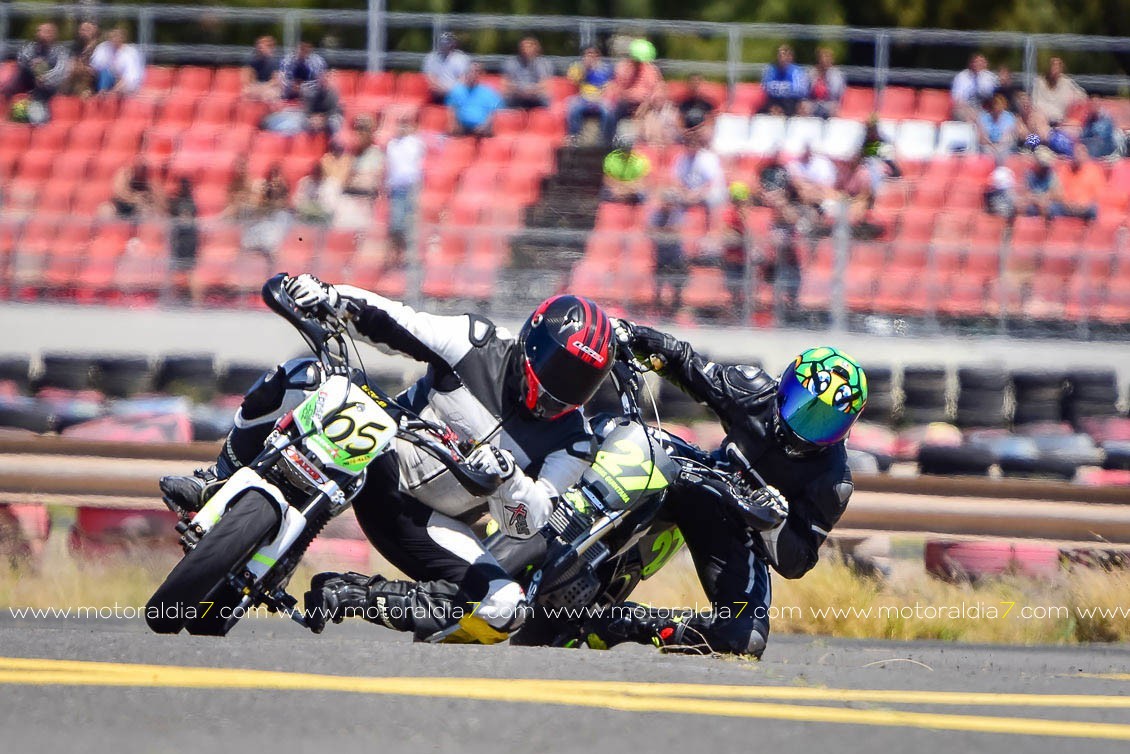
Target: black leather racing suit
x=731 y=562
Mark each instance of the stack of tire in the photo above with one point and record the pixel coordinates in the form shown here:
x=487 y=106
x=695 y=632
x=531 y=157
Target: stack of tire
x=924 y=395
x=1090 y=393
x=982 y=397
x=123 y=376
x=66 y=372
x=19 y=411
x=1039 y=396
x=190 y=375
x=880 y=396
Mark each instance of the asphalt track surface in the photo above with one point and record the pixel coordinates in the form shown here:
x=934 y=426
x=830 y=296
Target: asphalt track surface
x=109 y=686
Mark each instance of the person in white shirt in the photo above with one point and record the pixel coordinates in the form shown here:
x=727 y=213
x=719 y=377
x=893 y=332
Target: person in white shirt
x=814 y=177
x=118 y=67
x=445 y=67
x=404 y=170
x=700 y=180
x=971 y=88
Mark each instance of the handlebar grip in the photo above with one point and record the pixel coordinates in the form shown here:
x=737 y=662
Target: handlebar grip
x=478 y=483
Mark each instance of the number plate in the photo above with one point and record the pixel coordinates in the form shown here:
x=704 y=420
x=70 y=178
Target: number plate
x=352 y=427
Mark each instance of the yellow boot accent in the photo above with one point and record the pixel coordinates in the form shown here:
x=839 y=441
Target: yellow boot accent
x=474 y=630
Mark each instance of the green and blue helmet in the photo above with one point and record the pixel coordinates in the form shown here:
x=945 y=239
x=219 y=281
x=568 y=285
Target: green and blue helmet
x=821 y=394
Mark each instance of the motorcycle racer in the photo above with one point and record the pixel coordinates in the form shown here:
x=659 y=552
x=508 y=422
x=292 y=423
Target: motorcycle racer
x=791 y=431
x=512 y=402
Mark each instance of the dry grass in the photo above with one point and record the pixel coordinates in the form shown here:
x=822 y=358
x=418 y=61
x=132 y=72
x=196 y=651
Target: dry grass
x=831 y=600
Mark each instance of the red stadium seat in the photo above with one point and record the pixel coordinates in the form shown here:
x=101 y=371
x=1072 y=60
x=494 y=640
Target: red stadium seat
x=858 y=103
x=215 y=109
x=897 y=103
x=509 y=122
x=434 y=118
x=87 y=135
x=376 y=85
x=35 y=165
x=71 y=165
x=933 y=105
x=227 y=81
x=14 y=137
x=177 y=111
x=123 y=137
x=411 y=86
x=139 y=110
x=65 y=110
x=195 y=79
x=158 y=79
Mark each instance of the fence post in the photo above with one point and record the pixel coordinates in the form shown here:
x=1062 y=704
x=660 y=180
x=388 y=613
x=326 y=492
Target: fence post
x=733 y=57
x=841 y=249
x=882 y=63
x=585 y=36
x=290 y=30
x=144 y=32
x=1030 y=53
x=375 y=41
x=4 y=21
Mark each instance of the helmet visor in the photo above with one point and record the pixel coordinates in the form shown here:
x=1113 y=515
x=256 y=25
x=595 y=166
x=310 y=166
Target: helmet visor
x=568 y=377
x=540 y=402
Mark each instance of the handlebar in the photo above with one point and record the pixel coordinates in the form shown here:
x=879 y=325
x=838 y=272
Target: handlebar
x=319 y=327
x=478 y=483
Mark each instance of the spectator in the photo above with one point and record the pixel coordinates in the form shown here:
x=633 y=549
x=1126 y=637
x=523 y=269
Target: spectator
x=592 y=76
x=134 y=195
x=1082 y=184
x=826 y=86
x=624 y=172
x=526 y=76
x=665 y=225
x=42 y=66
x=404 y=172
x=241 y=197
x=322 y=106
x=1008 y=88
x=362 y=180
x=637 y=85
x=774 y=177
x=300 y=72
x=998 y=129
x=118 y=67
x=699 y=178
x=270 y=215
x=696 y=108
x=779 y=263
x=814 y=178
x=971 y=87
x=878 y=155
x=80 y=82
x=445 y=67
x=1000 y=194
x=1101 y=137
x=473 y=105
x=1055 y=92
x=1041 y=185
x=262 y=77
x=184 y=237
x=784 y=83
x=736 y=244
x=315 y=197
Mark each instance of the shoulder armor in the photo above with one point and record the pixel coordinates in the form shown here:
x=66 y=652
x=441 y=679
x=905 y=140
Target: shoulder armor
x=481 y=330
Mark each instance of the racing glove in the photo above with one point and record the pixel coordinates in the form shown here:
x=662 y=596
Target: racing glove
x=522 y=505
x=308 y=292
x=764 y=509
x=492 y=460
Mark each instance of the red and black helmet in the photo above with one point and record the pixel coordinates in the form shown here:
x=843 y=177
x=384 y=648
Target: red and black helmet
x=568 y=350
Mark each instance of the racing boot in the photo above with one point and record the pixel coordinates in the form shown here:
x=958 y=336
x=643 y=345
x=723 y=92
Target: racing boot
x=424 y=609
x=674 y=631
x=187 y=494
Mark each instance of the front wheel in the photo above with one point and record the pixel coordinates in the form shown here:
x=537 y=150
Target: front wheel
x=196 y=590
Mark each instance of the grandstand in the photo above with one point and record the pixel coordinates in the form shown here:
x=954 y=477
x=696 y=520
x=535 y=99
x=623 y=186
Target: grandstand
x=488 y=206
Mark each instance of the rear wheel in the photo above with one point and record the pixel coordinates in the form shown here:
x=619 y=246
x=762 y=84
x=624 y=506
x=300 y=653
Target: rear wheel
x=200 y=577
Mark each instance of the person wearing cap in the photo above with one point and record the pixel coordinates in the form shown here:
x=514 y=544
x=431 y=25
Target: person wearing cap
x=526 y=75
x=624 y=172
x=1041 y=184
x=444 y=67
x=785 y=84
x=1000 y=194
x=637 y=85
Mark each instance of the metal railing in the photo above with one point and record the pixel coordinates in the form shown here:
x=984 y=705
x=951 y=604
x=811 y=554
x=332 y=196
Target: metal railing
x=371 y=28
x=840 y=283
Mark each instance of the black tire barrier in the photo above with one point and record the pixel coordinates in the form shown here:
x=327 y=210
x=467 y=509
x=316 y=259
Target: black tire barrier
x=1029 y=413
x=66 y=371
x=123 y=376
x=238 y=378
x=983 y=379
x=28 y=415
x=924 y=414
x=924 y=380
x=981 y=407
x=1116 y=455
x=191 y=375
x=880 y=395
x=1044 y=467
x=947 y=460
x=16 y=369
x=1026 y=379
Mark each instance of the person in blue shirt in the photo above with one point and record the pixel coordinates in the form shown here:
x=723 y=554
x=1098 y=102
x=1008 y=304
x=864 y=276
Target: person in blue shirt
x=785 y=84
x=591 y=74
x=473 y=105
x=1099 y=132
x=999 y=128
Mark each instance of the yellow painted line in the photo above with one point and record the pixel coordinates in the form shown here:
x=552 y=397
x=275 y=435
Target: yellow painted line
x=778 y=693
x=613 y=695
x=1104 y=676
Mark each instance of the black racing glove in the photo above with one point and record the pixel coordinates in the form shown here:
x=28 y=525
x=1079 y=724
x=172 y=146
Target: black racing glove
x=763 y=509
x=653 y=347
